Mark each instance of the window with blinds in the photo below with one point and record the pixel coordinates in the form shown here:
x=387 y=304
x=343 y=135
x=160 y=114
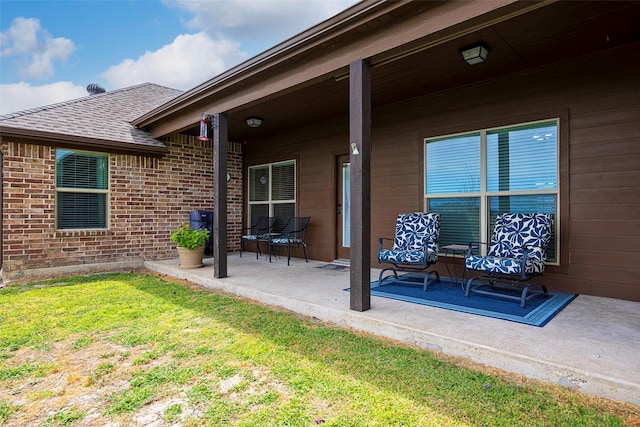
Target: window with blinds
x=471 y=178
x=82 y=190
x=272 y=190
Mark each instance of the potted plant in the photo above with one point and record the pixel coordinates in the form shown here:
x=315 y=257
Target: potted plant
x=191 y=243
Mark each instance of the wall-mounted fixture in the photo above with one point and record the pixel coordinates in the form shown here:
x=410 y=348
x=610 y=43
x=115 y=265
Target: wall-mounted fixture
x=253 y=121
x=204 y=128
x=475 y=54
x=354 y=149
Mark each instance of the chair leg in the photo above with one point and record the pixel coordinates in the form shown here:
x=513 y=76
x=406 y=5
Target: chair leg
x=468 y=286
x=380 y=278
x=241 y=244
x=426 y=279
x=288 y=252
x=304 y=249
x=258 y=248
x=525 y=290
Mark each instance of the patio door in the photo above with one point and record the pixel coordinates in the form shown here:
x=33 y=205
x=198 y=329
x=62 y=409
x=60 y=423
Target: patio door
x=343 y=208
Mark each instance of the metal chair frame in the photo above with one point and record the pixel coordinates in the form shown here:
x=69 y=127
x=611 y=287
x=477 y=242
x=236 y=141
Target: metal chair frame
x=257 y=232
x=292 y=233
x=494 y=283
x=427 y=257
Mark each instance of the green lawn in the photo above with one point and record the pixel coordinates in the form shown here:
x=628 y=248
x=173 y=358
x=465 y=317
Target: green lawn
x=133 y=349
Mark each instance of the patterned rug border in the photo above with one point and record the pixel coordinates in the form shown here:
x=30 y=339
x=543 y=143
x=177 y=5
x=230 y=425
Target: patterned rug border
x=538 y=316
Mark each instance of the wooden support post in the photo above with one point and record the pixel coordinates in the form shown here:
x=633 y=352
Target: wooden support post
x=220 y=138
x=360 y=158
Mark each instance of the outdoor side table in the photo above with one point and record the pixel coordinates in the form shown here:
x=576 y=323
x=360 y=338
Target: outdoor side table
x=267 y=238
x=450 y=252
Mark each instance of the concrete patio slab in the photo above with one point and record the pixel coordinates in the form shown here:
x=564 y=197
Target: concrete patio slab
x=592 y=345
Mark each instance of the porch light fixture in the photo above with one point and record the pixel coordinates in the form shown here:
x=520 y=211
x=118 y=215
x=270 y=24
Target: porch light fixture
x=204 y=128
x=253 y=122
x=475 y=54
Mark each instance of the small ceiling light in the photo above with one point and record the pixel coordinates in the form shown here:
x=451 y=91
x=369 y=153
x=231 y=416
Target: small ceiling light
x=475 y=54
x=253 y=121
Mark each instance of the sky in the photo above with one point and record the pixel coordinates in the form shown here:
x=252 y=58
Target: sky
x=51 y=50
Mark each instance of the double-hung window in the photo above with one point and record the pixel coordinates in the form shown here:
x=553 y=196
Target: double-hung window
x=471 y=178
x=82 y=190
x=272 y=190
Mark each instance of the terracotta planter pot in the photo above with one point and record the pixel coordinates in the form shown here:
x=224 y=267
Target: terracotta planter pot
x=190 y=258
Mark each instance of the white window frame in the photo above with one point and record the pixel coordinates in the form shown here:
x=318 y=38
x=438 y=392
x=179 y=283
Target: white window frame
x=106 y=191
x=484 y=195
x=271 y=203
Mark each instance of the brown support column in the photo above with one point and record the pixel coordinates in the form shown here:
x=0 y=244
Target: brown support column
x=220 y=138
x=360 y=158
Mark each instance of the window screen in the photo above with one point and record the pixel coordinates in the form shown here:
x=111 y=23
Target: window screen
x=82 y=189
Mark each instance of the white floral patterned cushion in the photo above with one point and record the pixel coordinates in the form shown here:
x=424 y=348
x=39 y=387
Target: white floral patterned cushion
x=415 y=240
x=512 y=236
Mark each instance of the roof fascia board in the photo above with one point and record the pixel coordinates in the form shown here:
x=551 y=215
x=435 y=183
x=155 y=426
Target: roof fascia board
x=71 y=141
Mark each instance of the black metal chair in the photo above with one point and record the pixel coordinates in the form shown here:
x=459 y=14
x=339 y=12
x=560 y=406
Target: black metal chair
x=258 y=231
x=293 y=233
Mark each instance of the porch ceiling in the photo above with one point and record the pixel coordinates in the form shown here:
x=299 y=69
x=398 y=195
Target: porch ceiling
x=556 y=32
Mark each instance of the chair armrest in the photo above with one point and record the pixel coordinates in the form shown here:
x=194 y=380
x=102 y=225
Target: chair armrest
x=472 y=245
x=380 y=241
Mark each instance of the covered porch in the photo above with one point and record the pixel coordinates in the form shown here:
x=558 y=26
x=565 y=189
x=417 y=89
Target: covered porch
x=591 y=345
x=376 y=83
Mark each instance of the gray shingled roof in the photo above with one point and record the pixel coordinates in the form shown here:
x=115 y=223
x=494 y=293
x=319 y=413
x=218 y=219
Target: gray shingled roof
x=102 y=117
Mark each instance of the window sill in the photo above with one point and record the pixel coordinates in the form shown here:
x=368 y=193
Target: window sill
x=82 y=233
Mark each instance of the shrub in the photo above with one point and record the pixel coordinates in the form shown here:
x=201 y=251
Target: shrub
x=187 y=237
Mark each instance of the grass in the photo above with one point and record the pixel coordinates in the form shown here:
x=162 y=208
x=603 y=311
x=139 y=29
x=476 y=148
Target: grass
x=135 y=349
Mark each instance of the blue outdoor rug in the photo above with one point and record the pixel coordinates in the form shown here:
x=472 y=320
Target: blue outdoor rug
x=444 y=294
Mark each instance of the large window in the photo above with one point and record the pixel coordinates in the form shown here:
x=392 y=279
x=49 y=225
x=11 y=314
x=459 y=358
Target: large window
x=82 y=190
x=472 y=178
x=272 y=190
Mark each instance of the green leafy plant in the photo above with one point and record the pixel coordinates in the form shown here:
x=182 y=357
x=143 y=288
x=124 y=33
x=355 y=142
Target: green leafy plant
x=187 y=237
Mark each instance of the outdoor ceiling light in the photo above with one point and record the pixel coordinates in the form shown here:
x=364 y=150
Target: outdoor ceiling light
x=475 y=54
x=253 y=121
x=204 y=129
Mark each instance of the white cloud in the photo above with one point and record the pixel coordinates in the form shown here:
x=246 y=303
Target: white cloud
x=273 y=21
x=22 y=96
x=189 y=60
x=34 y=49
x=228 y=32
x=228 y=29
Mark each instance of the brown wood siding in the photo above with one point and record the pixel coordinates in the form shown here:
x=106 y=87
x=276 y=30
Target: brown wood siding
x=600 y=162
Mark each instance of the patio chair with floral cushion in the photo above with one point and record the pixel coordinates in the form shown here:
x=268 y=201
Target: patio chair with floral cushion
x=293 y=233
x=415 y=247
x=517 y=252
x=257 y=232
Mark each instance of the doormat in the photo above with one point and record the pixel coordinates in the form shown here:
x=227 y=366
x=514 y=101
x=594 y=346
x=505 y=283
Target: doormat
x=335 y=267
x=445 y=294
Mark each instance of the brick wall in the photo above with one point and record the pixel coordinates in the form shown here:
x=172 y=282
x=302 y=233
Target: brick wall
x=149 y=198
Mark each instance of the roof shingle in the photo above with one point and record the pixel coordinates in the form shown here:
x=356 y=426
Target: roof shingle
x=105 y=116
